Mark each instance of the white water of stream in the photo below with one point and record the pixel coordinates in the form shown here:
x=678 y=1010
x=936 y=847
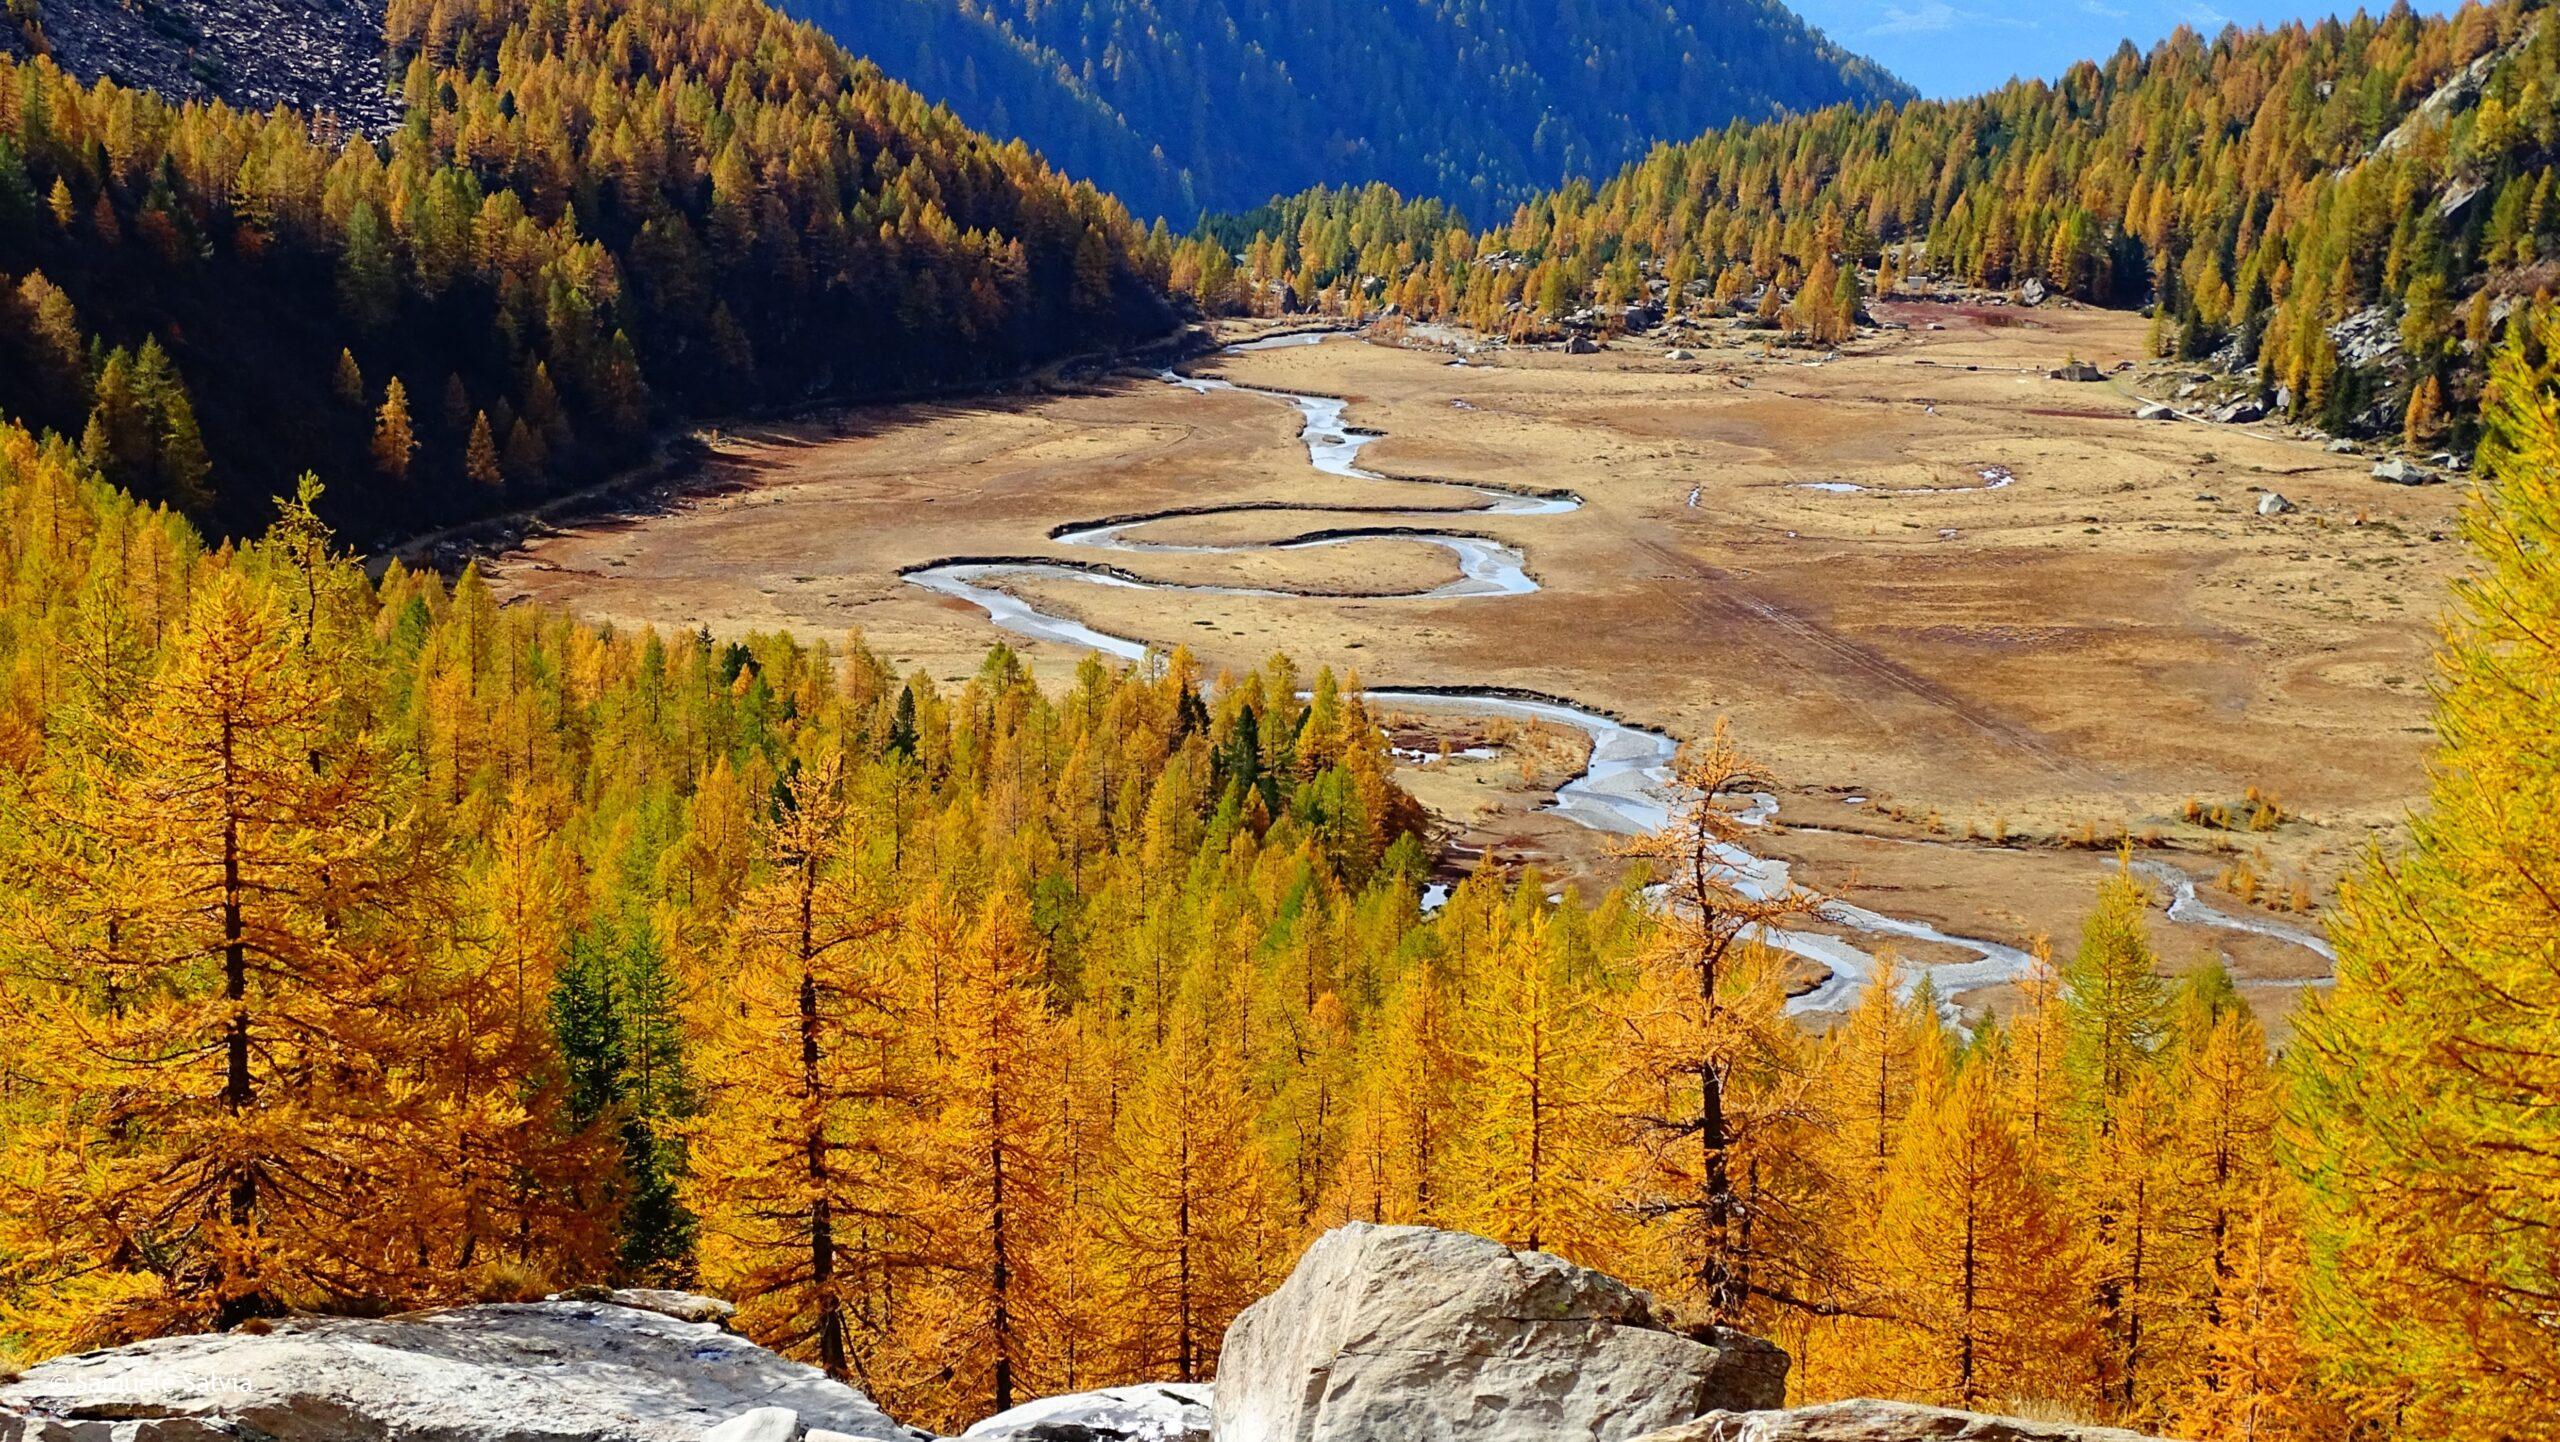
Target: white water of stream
x=1486 y=567
x=1626 y=788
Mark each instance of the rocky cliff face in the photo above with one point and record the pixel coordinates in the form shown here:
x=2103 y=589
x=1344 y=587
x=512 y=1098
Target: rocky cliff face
x=323 y=56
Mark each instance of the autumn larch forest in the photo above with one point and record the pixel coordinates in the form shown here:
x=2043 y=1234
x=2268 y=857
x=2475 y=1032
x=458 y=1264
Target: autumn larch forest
x=366 y=944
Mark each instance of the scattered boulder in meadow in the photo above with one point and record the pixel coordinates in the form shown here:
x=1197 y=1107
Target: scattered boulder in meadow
x=1429 y=1336
x=2400 y=473
x=2274 y=504
x=1869 y=1421
x=2155 y=411
x=1581 y=345
x=2078 y=370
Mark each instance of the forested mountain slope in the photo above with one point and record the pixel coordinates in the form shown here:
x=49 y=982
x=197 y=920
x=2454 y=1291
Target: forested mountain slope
x=591 y=217
x=2348 y=210
x=1183 y=105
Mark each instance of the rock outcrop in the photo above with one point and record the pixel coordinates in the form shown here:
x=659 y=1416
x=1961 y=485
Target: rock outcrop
x=1147 y=1412
x=324 y=56
x=1865 y=1421
x=556 y=1371
x=1430 y=1336
x=2459 y=92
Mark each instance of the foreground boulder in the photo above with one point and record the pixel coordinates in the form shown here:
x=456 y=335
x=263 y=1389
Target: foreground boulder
x=1428 y=1336
x=1865 y=1421
x=556 y=1371
x=1146 y=1412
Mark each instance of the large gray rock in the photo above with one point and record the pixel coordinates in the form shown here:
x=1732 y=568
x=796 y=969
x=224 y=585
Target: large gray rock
x=1428 y=1336
x=2400 y=473
x=1865 y=1421
x=1147 y=1412
x=557 y=1371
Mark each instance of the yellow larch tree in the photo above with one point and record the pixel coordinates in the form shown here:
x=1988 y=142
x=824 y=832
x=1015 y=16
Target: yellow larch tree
x=2422 y=1117
x=792 y=1151
x=519 y=1172
x=2125 y=1188
x=2115 y=1016
x=1306 y=1123
x=1986 y=1276
x=2033 y=1046
x=1400 y=1140
x=1536 y=1165
x=227 y=955
x=1076 y=1349
x=989 y=1162
x=1884 y=1066
x=2253 y=1381
x=2221 y=1174
x=1186 y=1237
x=1873 y=1069
x=394 y=439
x=1717 y=1072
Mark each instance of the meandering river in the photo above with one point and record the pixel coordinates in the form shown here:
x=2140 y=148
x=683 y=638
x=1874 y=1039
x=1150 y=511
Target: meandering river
x=1486 y=567
x=1627 y=786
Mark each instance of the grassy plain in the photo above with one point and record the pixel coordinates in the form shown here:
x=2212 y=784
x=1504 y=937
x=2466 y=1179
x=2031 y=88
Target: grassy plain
x=1964 y=695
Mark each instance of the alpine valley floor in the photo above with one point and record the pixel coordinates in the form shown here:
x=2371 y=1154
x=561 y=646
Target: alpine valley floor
x=1979 y=623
